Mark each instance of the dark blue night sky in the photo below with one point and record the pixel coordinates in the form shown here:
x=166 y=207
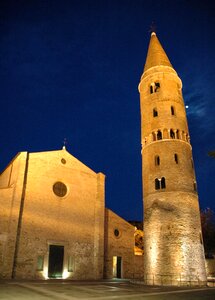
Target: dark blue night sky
x=70 y=69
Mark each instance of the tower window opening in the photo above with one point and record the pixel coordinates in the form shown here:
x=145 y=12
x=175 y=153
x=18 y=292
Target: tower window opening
x=157 y=160
x=194 y=186
x=159 y=135
x=155 y=112
x=157 y=184
x=177 y=134
x=172 y=110
x=154 y=87
x=151 y=89
x=157 y=86
x=153 y=136
x=160 y=183
x=172 y=134
x=163 y=183
x=192 y=163
x=176 y=158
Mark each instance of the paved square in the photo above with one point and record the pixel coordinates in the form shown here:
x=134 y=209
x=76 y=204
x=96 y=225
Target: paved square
x=107 y=290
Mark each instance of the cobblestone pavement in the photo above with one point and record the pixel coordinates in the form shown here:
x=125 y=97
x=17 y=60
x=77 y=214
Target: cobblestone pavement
x=107 y=290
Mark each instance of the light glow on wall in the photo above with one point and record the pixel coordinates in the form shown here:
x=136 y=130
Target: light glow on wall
x=114 y=266
x=66 y=274
x=154 y=251
x=45 y=272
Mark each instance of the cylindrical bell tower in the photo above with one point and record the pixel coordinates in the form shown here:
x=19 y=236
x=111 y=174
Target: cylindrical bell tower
x=173 y=247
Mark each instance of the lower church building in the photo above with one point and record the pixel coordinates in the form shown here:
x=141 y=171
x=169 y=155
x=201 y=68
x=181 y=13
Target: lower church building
x=54 y=224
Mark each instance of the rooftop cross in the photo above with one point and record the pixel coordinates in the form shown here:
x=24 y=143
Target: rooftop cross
x=64 y=143
x=152 y=27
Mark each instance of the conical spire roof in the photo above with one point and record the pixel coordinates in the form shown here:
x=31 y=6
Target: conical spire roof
x=156 y=55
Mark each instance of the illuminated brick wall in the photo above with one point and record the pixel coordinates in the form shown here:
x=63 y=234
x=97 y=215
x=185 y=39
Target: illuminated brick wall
x=74 y=220
x=119 y=242
x=173 y=249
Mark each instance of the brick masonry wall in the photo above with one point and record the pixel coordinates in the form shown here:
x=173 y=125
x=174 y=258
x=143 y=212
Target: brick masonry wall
x=172 y=229
x=210 y=267
x=10 y=195
x=75 y=221
x=122 y=246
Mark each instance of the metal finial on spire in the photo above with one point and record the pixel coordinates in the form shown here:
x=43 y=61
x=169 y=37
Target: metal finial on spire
x=64 y=144
x=153 y=27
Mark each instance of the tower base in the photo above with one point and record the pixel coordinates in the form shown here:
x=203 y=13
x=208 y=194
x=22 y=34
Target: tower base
x=173 y=280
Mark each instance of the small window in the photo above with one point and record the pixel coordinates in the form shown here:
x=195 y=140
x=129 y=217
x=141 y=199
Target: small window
x=194 y=186
x=163 y=183
x=151 y=89
x=172 y=110
x=71 y=264
x=40 y=260
x=154 y=87
x=159 y=135
x=157 y=184
x=177 y=134
x=176 y=158
x=172 y=134
x=157 y=160
x=157 y=86
x=155 y=112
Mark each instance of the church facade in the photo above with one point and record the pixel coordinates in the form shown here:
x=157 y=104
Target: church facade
x=54 y=224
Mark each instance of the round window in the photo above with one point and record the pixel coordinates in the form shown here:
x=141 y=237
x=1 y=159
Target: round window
x=60 y=189
x=63 y=161
x=116 y=232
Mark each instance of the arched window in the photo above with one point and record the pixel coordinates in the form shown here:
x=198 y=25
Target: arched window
x=172 y=134
x=176 y=158
x=177 y=134
x=157 y=86
x=157 y=184
x=157 y=160
x=154 y=87
x=159 y=135
x=155 y=112
x=163 y=183
x=151 y=89
x=172 y=110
